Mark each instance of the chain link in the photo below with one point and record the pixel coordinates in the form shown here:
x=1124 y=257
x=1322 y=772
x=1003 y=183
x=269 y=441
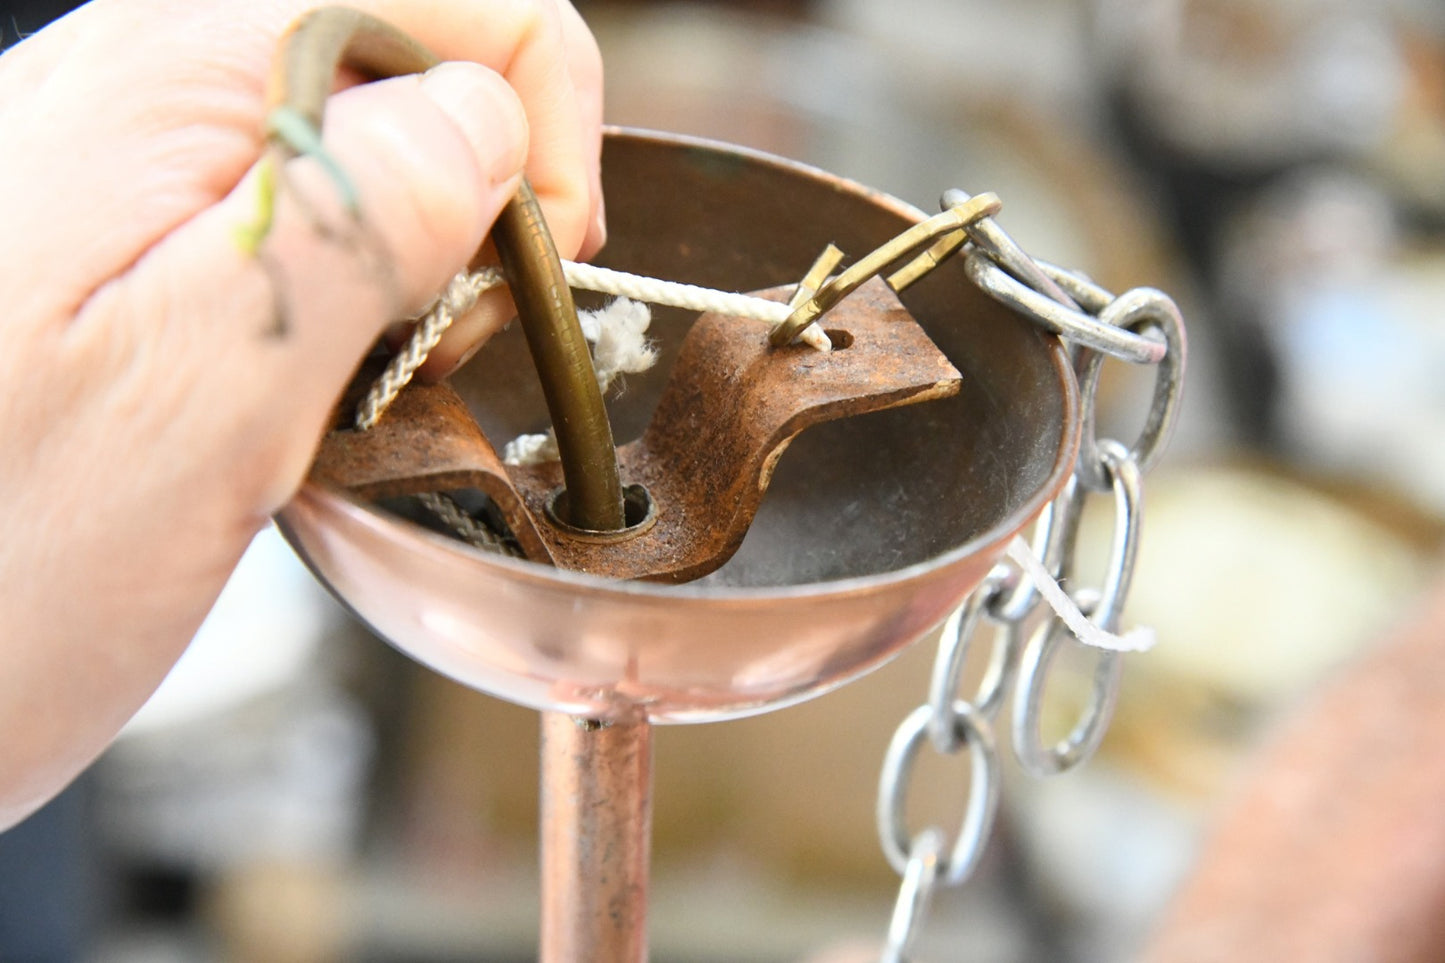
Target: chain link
x=920 y=879
x=1150 y=310
x=1104 y=608
x=971 y=731
x=1084 y=739
x=954 y=643
x=1065 y=320
x=1140 y=326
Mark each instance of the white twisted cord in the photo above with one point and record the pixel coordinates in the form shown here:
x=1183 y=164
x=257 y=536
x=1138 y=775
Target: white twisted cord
x=461 y=294
x=464 y=290
x=456 y=518
x=675 y=294
x=1138 y=639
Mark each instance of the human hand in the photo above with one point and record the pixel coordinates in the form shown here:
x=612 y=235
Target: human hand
x=150 y=417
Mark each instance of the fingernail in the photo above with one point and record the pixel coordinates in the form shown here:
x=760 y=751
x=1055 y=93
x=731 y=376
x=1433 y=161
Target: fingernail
x=486 y=111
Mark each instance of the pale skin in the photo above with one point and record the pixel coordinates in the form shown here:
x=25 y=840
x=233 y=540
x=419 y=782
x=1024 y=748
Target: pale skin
x=151 y=417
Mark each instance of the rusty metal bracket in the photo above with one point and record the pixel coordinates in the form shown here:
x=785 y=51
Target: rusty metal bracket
x=730 y=407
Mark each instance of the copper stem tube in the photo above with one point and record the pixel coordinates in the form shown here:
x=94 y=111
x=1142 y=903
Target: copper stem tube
x=596 y=839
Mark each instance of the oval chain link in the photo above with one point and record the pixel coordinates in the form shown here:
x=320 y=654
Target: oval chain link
x=1141 y=326
x=1083 y=740
x=1066 y=321
x=953 y=649
x=1138 y=309
x=920 y=879
x=1105 y=609
x=972 y=731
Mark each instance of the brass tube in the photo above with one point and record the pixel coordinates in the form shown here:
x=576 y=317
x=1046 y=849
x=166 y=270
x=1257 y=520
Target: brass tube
x=564 y=365
x=596 y=782
x=596 y=840
x=325 y=39
x=311 y=52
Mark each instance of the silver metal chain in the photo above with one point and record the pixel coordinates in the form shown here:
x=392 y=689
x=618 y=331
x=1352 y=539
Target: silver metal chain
x=1140 y=326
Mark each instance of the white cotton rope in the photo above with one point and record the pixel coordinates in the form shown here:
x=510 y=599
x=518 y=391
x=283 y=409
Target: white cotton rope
x=463 y=291
x=675 y=294
x=459 y=297
x=1138 y=639
x=535 y=449
x=618 y=335
x=470 y=529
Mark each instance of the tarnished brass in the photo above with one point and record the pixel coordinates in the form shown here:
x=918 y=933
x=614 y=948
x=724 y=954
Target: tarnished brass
x=831 y=257
x=314 y=49
x=322 y=41
x=939 y=225
x=564 y=365
x=935 y=255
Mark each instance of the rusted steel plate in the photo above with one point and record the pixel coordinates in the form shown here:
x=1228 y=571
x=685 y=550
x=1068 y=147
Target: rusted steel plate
x=731 y=406
x=426 y=442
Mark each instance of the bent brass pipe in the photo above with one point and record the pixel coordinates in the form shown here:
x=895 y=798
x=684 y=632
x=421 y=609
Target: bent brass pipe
x=312 y=51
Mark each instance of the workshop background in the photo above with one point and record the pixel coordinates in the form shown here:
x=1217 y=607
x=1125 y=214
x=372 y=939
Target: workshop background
x=300 y=793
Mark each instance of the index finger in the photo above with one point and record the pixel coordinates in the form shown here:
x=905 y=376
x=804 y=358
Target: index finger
x=556 y=69
x=526 y=42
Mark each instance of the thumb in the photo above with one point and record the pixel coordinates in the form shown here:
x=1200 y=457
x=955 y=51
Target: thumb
x=428 y=161
x=168 y=417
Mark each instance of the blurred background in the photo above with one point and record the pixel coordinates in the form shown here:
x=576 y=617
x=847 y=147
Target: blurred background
x=299 y=792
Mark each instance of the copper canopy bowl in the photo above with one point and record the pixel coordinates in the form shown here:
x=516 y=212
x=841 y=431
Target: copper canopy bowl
x=873 y=529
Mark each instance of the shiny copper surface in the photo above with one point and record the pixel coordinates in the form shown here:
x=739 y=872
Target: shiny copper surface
x=596 y=838
x=874 y=527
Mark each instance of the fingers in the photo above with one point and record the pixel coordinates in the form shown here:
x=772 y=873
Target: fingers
x=433 y=160
x=584 y=66
x=539 y=47
x=156 y=416
x=552 y=60
x=468 y=333
x=584 y=61
x=194 y=127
